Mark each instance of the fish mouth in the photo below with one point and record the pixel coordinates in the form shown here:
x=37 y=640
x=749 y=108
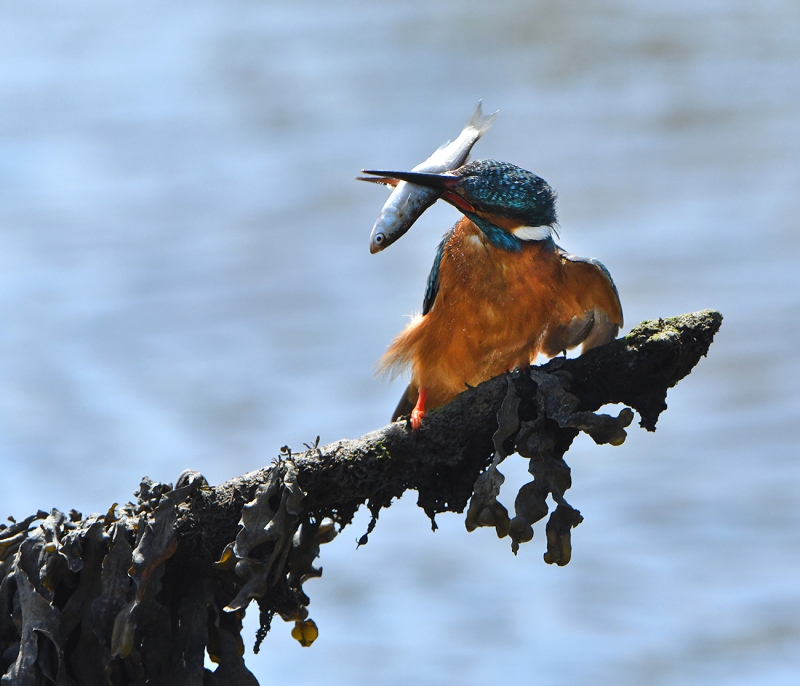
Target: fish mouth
x=444 y=183
x=377 y=246
x=388 y=237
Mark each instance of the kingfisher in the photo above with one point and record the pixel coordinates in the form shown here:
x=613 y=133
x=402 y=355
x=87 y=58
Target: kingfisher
x=500 y=290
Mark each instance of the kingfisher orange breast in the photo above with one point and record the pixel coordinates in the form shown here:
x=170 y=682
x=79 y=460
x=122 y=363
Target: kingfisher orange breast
x=489 y=315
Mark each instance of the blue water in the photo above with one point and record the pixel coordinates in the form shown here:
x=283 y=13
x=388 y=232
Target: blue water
x=185 y=281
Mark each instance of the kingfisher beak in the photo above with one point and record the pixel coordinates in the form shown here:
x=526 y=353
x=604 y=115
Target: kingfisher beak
x=444 y=183
x=383 y=180
x=440 y=182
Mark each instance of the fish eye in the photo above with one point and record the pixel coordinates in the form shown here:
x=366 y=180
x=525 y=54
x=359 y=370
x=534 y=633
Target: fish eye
x=379 y=238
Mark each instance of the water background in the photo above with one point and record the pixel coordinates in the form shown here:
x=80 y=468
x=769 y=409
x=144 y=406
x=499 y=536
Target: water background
x=185 y=281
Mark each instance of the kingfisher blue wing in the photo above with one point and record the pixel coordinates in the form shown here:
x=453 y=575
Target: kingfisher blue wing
x=432 y=287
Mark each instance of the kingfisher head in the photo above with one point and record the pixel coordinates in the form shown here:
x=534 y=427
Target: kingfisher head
x=508 y=203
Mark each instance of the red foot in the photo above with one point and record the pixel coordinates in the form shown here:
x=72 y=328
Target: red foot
x=419 y=410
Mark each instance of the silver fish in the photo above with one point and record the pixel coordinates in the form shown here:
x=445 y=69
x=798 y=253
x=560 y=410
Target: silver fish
x=408 y=201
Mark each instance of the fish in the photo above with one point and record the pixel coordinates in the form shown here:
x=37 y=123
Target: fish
x=408 y=201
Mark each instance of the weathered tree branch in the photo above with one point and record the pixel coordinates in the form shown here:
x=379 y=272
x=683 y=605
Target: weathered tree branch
x=138 y=595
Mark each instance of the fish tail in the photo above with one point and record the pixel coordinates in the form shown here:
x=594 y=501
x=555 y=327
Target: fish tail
x=480 y=123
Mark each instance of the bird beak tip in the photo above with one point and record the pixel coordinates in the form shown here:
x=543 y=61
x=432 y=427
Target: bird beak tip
x=378 y=179
x=436 y=181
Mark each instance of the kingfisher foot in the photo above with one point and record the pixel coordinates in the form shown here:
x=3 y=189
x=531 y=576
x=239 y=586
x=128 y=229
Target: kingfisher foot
x=418 y=412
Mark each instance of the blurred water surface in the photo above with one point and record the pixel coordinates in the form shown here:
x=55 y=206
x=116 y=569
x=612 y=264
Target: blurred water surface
x=185 y=281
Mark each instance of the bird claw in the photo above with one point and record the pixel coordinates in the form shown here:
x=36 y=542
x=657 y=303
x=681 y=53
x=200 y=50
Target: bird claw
x=418 y=412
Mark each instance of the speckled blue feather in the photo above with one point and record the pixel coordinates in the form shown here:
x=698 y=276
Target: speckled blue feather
x=506 y=190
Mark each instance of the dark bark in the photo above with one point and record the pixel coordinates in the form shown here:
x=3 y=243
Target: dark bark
x=138 y=595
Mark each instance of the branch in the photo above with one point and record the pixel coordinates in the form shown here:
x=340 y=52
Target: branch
x=138 y=595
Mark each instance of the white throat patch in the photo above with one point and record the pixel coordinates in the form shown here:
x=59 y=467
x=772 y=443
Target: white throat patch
x=533 y=233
